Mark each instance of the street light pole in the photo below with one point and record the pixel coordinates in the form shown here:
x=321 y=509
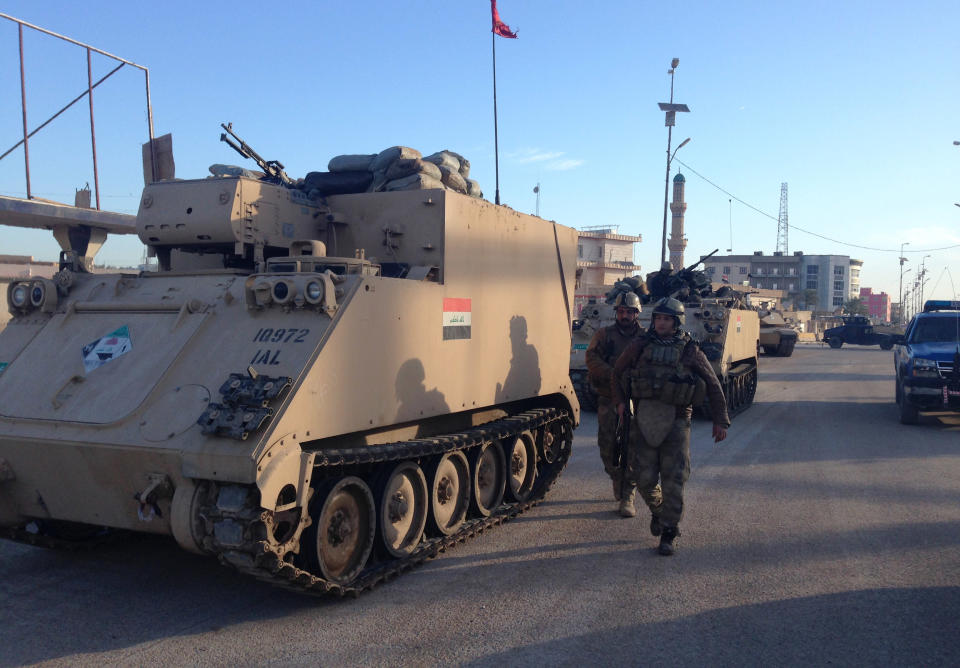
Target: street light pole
x=902 y=260
x=923 y=275
x=671 y=110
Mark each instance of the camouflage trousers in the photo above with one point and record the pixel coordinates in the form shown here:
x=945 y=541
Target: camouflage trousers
x=607 y=440
x=670 y=463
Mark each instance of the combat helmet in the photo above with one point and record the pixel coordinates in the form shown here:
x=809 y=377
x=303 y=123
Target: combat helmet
x=627 y=300
x=672 y=307
x=666 y=266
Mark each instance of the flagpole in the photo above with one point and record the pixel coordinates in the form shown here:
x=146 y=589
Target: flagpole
x=496 y=147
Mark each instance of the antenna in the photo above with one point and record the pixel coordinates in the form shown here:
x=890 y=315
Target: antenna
x=730 y=204
x=783 y=227
x=537 y=191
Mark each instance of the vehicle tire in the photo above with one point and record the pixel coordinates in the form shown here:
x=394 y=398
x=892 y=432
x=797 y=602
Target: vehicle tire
x=886 y=344
x=835 y=342
x=770 y=350
x=908 y=412
x=897 y=396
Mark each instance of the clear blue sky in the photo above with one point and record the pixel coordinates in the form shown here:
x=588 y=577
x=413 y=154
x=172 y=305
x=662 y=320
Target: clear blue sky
x=853 y=104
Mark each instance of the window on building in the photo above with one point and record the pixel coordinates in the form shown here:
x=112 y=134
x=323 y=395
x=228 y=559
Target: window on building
x=758 y=271
x=773 y=285
x=838 y=271
x=743 y=270
x=838 y=301
x=811 y=284
x=793 y=271
x=812 y=269
x=580 y=251
x=711 y=271
x=838 y=285
x=791 y=287
x=774 y=270
x=726 y=270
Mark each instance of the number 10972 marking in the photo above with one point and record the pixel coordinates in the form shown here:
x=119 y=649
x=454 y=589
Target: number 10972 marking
x=281 y=335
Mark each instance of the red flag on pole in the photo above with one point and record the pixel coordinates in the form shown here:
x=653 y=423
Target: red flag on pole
x=499 y=26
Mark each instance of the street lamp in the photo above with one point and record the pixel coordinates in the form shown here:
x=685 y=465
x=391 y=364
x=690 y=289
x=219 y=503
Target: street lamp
x=902 y=260
x=671 y=110
x=923 y=276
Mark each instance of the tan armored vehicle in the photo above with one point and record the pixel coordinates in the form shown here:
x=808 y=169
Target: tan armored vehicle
x=592 y=318
x=777 y=337
x=279 y=397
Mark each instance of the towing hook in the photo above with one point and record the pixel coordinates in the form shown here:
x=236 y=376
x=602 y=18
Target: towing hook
x=159 y=487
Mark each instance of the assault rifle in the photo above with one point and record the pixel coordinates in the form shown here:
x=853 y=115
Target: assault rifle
x=623 y=445
x=272 y=168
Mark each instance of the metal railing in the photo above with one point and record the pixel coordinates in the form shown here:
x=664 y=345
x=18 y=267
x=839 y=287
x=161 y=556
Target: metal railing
x=88 y=93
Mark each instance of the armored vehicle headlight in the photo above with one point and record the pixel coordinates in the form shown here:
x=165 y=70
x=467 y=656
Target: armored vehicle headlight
x=314 y=292
x=37 y=294
x=283 y=292
x=19 y=295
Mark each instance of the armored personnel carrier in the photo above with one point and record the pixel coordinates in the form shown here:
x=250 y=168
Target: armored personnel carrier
x=321 y=393
x=592 y=318
x=776 y=336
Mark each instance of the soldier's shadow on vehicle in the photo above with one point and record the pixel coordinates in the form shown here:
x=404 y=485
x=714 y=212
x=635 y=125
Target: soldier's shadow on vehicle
x=523 y=378
x=414 y=397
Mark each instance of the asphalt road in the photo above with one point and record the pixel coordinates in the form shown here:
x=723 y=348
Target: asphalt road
x=821 y=532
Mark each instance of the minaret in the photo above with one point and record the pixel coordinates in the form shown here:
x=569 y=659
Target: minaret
x=677 y=241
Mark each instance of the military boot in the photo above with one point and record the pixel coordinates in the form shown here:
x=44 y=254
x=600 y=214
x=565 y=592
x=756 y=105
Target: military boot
x=667 y=538
x=627 y=507
x=655 y=527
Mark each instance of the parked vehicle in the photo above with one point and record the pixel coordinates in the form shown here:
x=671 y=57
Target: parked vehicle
x=858 y=329
x=927 y=361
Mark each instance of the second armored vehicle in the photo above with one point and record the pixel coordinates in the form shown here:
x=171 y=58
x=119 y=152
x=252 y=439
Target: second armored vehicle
x=776 y=336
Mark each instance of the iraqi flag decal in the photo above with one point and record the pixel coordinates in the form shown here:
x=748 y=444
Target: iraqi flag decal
x=106 y=348
x=456 y=319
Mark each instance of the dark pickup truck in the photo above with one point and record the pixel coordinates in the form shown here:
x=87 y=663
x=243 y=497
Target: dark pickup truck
x=859 y=330
x=927 y=361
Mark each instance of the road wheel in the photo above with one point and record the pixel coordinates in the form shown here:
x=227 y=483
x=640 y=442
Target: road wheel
x=908 y=412
x=521 y=457
x=402 y=509
x=488 y=470
x=341 y=537
x=835 y=342
x=449 y=493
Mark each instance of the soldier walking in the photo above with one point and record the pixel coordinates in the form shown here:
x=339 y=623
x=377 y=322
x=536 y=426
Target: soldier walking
x=604 y=349
x=665 y=373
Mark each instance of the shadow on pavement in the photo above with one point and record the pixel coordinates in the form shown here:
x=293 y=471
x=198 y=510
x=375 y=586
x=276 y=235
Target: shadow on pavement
x=862 y=628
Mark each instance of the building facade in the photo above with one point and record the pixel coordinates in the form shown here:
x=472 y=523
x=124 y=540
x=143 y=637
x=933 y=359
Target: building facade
x=604 y=256
x=827 y=280
x=878 y=305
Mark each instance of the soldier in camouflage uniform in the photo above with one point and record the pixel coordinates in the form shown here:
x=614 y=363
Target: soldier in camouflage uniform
x=665 y=373
x=604 y=349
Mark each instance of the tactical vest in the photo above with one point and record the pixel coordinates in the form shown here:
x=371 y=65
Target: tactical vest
x=616 y=343
x=661 y=375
